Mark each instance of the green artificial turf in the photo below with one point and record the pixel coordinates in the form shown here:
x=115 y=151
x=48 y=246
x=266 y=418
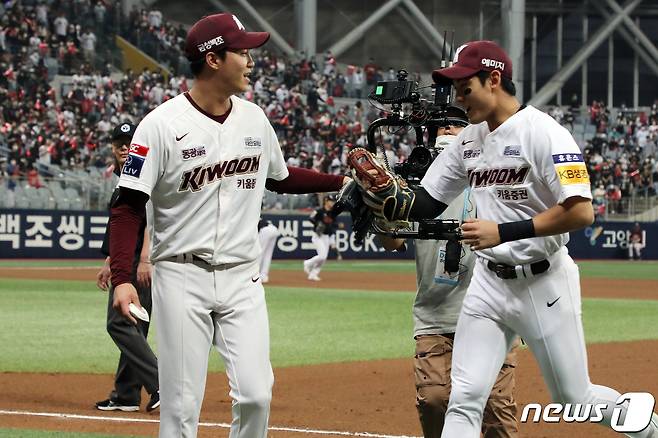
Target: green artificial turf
x=59 y=326
x=27 y=433
x=626 y=270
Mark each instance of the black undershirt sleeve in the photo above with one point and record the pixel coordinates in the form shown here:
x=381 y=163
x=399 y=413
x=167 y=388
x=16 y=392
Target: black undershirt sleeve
x=425 y=206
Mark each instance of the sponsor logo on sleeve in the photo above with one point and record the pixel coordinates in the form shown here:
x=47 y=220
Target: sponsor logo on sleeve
x=567 y=158
x=135 y=160
x=133 y=166
x=139 y=150
x=572 y=174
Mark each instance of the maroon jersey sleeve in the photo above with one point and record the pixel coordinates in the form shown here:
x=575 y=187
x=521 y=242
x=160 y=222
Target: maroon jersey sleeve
x=302 y=180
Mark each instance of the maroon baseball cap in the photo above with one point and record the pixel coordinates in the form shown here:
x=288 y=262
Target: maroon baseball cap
x=220 y=31
x=474 y=57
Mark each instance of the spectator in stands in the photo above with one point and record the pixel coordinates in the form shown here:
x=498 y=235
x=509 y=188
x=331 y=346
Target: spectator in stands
x=88 y=45
x=357 y=83
x=33 y=178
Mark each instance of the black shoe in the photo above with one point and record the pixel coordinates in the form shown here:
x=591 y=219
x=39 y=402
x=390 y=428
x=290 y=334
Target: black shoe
x=154 y=403
x=115 y=405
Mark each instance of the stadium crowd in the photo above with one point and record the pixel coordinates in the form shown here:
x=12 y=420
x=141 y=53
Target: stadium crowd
x=70 y=127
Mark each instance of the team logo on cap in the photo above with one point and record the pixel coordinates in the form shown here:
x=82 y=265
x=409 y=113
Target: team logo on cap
x=210 y=44
x=459 y=49
x=237 y=22
x=125 y=127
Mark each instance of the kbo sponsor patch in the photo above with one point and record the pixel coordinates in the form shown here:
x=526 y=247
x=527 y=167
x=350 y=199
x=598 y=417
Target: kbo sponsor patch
x=572 y=174
x=135 y=160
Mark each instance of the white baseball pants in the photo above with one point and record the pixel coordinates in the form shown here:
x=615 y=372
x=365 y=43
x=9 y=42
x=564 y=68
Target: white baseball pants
x=321 y=242
x=267 y=237
x=546 y=312
x=196 y=307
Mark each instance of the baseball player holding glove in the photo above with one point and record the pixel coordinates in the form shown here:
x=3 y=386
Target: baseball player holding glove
x=436 y=308
x=529 y=181
x=204 y=159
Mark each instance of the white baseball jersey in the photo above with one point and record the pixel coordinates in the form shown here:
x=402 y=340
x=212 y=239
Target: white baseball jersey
x=205 y=179
x=524 y=167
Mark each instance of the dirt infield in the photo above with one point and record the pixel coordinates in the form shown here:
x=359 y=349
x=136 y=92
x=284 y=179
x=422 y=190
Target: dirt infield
x=381 y=281
x=375 y=397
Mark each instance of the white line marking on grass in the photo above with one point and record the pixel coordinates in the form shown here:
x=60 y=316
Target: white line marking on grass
x=202 y=424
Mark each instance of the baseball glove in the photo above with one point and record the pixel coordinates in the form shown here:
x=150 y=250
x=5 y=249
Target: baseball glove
x=386 y=194
x=350 y=199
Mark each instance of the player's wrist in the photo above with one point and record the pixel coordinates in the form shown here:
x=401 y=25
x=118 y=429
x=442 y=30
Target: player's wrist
x=517 y=230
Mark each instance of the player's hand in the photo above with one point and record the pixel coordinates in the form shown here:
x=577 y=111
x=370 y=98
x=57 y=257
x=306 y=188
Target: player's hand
x=480 y=234
x=346 y=179
x=124 y=294
x=103 y=277
x=144 y=274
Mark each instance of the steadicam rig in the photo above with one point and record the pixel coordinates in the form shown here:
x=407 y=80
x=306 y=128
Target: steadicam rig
x=407 y=109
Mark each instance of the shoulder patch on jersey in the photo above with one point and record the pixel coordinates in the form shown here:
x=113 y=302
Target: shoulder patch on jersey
x=138 y=150
x=253 y=142
x=572 y=174
x=133 y=165
x=135 y=160
x=512 y=150
x=567 y=158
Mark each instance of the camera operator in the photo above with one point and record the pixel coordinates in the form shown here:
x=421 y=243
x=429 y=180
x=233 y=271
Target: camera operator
x=436 y=307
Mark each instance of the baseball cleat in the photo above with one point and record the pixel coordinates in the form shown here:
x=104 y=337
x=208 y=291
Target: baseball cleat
x=314 y=277
x=115 y=405
x=264 y=279
x=154 y=403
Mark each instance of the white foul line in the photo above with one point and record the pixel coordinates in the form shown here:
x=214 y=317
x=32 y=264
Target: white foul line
x=203 y=424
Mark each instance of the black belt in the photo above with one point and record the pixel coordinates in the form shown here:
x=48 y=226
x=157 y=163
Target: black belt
x=508 y=272
x=192 y=258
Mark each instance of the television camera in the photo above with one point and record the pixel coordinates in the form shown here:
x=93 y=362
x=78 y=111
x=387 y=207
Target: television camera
x=407 y=108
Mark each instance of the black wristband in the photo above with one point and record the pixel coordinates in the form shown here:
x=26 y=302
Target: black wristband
x=516 y=230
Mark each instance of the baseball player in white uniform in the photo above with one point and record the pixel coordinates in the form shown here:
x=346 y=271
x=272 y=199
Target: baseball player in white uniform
x=204 y=159
x=529 y=181
x=435 y=311
x=324 y=227
x=268 y=234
